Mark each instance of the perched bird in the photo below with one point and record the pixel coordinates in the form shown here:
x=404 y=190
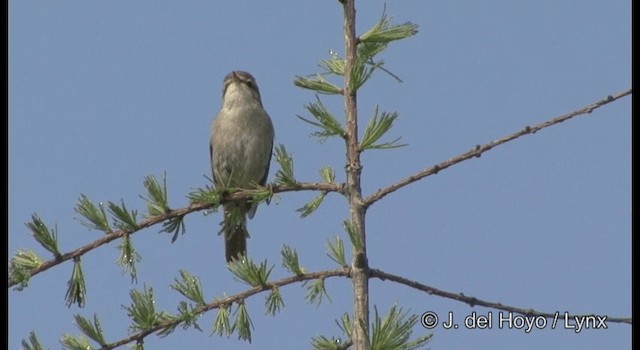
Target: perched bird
x=240 y=147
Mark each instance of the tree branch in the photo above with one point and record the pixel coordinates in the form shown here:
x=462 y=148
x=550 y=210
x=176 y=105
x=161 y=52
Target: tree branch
x=229 y=300
x=154 y=220
x=472 y=301
x=479 y=149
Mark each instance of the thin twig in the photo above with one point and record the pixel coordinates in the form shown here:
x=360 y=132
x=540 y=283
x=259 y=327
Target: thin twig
x=472 y=301
x=478 y=150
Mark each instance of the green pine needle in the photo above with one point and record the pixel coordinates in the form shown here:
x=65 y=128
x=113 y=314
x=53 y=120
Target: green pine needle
x=274 y=302
x=315 y=291
x=206 y=195
x=324 y=343
x=123 y=219
x=394 y=330
x=355 y=238
x=20 y=266
x=221 y=325
x=76 y=289
x=48 y=239
x=142 y=310
x=190 y=287
x=317 y=84
x=243 y=323
x=378 y=125
x=312 y=206
x=327 y=174
x=128 y=257
x=72 y=342
x=247 y=271
x=91 y=329
x=345 y=324
x=174 y=225
x=324 y=120
x=157 y=202
x=96 y=216
x=335 y=65
x=33 y=343
x=336 y=251
x=284 y=175
x=386 y=32
x=290 y=260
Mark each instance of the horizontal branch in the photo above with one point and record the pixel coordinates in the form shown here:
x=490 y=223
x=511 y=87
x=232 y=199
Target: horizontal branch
x=472 y=301
x=308 y=186
x=154 y=220
x=229 y=300
x=479 y=149
x=343 y=272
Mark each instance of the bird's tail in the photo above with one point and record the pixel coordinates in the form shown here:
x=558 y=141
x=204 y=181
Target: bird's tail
x=234 y=226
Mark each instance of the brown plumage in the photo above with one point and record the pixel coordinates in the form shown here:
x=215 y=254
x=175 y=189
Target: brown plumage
x=240 y=147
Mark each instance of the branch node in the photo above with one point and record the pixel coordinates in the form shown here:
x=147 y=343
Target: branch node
x=473 y=301
x=478 y=151
x=360 y=261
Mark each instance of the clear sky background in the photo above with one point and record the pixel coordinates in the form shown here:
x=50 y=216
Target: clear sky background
x=104 y=93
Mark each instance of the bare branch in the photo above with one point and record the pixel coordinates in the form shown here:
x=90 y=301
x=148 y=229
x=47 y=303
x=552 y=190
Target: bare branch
x=472 y=301
x=479 y=149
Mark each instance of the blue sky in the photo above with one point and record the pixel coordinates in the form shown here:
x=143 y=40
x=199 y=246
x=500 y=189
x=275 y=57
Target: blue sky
x=102 y=94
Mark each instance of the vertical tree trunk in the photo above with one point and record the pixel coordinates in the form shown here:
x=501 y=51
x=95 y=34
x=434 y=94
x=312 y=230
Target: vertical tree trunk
x=359 y=265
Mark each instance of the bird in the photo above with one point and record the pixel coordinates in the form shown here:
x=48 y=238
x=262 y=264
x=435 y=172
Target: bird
x=240 y=148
